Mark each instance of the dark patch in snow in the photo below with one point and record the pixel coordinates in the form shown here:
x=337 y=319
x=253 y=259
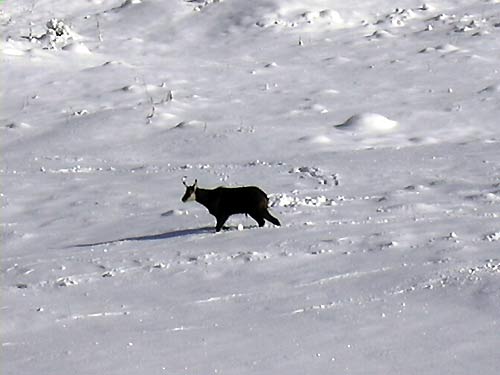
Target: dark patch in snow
x=153 y=237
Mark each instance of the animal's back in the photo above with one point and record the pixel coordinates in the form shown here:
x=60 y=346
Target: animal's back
x=242 y=200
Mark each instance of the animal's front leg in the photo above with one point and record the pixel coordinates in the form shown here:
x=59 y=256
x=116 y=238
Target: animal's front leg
x=220 y=222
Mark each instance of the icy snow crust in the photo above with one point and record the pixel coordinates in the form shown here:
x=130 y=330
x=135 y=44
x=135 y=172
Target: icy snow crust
x=372 y=126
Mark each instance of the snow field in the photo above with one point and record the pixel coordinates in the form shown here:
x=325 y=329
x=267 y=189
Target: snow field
x=372 y=126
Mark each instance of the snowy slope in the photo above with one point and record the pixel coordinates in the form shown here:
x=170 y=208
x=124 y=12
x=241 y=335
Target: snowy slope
x=372 y=126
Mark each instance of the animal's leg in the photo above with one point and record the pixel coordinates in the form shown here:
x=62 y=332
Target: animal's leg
x=220 y=222
x=270 y=218
x=259 y=219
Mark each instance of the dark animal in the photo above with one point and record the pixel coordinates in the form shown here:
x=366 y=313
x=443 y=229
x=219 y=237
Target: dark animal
x=223 y=202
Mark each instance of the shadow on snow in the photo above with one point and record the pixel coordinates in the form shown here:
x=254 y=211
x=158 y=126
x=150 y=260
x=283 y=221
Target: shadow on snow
x=154 y=237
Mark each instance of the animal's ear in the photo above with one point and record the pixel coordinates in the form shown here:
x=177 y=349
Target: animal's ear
x=184 y=181
x=195 y=183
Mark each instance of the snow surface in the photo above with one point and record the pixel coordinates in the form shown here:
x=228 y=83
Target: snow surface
x=387 y=261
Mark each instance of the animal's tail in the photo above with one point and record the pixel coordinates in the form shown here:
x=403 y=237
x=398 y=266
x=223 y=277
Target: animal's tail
x=271 y=218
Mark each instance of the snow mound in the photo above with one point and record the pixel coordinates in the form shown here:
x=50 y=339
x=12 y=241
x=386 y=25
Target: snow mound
x=296 y=14
x=380 y=34
x=17 y=125
x=319 y=139
x=126 y=4
x=200 y=4
x=78 y=48
x=12 y=48
x=442 y=48
x=368 y=123
x=447 y=48
x=491 y=89
x=400 y=16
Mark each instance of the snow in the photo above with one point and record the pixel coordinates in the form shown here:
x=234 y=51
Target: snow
x=368 y=122
x=371 y=125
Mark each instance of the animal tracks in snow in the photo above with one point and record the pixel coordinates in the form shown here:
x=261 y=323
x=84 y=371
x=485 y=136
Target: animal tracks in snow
x=462 y=277
x=342 y=276
x=225 y=298
x=105 y=314
x=317 y=174
x=199 y=5
x=29 y=278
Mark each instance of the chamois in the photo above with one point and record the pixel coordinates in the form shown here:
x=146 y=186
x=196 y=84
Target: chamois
x=223 y=202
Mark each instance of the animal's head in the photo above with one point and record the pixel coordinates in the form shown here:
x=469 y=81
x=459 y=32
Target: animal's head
x=190 y=194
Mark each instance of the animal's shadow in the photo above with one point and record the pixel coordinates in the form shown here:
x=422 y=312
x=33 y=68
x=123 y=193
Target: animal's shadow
x=154 y=237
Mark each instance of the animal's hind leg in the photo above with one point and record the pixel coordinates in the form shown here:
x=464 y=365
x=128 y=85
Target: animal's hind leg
x=270 y=218
x=259 y=219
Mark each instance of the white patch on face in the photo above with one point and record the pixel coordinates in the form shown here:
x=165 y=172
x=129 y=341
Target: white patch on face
x=192 y=197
